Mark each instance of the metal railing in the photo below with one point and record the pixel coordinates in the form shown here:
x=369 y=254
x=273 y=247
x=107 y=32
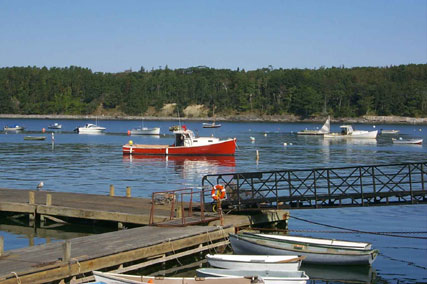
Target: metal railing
x=323 y=187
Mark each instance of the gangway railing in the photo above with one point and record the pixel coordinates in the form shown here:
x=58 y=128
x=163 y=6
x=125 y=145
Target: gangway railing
x=323 y=187
x=177 y=208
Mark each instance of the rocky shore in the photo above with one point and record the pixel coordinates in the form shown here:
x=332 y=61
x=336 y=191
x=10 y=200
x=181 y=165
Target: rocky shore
x=368 y=119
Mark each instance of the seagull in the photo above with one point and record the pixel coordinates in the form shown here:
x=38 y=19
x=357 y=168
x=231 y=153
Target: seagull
x=40 y=185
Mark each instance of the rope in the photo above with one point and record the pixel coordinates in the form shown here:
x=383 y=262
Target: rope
x=209 y=238
x=358 y=231
x=78 y=263
x=17 y=278
x=225 y=238
x=177 y=259
x=340 y=232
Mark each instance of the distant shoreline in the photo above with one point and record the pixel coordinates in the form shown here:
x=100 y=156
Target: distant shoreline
x=241 y=118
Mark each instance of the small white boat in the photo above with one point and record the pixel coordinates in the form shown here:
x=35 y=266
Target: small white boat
x=90 y=128
x=347 y=131
x=326 y=128
x=13 y=128
x=35 y=138
x=255 y=262
x=385 y=131
x=145 y=131
x=315 y=250
x=211 y=125
x=115 y=278
x=268 y=276
x=417 y=141
x=56 y=125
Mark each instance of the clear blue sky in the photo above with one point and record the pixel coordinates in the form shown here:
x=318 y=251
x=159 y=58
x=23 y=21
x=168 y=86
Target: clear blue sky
x=111 y=36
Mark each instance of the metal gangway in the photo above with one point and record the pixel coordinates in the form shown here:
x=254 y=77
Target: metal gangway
x=371 y=185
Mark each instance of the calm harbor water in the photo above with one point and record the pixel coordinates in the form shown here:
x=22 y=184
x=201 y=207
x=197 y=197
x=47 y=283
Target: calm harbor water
x=90 y=163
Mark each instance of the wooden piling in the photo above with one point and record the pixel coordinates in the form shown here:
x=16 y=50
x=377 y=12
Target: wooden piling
x=66 y=248
x=48 y=199
x=128 y=191
x=1 y=245
x=111 y=190
x=31 y=197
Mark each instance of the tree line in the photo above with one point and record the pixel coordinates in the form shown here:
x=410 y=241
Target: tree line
x=341 y=92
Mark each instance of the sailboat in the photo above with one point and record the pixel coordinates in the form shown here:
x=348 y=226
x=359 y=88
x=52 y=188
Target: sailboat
x=211 y=124
x=326 y=128
x=144 y=130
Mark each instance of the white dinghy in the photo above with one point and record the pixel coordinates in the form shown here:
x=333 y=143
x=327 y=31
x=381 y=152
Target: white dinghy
x=255 y=262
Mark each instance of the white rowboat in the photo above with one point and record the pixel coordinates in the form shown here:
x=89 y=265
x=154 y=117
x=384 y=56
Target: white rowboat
x=255 y=262
x=115 y=278
x=268 y=276
x=315 y=250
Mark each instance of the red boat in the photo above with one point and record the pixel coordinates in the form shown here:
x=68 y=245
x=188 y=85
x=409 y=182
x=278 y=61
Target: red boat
x=186 y=143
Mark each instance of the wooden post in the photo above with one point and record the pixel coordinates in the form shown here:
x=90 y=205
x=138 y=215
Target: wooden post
x=48 y=199
x=1 y=245
x=111 y=190
x=31 y=200
x=66 y=248
x=31 y=197
x=128 y=191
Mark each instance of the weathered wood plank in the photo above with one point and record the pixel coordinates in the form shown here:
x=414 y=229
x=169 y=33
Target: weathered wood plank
x=40 y=263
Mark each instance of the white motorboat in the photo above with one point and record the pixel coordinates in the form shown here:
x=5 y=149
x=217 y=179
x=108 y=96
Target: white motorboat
x=115 y=278
x=13 y=128
x=315 y=250
x=347 y=131
x=255 y=262
x=326 y=128
x=145 y=131
x=90 y=128
x=55 y=125
x=417 y=141
x=268 y=276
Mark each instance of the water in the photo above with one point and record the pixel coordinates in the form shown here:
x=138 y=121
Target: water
x=90 y=163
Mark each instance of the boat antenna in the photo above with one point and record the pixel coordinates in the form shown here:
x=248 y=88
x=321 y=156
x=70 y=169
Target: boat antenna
x=179 y=118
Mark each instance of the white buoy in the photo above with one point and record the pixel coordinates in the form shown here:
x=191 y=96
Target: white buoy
x=374 y=126
x=290 y=144
x=265 y=134
x=285 y=144
x=252 y=139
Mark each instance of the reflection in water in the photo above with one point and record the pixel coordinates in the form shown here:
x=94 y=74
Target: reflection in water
x=352 y=141
x=187 y=165
x=352 y=274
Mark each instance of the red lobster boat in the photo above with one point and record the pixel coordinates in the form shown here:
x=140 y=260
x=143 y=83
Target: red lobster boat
x=186 y=143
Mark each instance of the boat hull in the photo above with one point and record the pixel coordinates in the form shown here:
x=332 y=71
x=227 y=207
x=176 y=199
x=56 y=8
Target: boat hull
x=357 y=135
x=254 y=262
x=408 y=141
x=226 y=147
x=315 y=255
x=145 y=131
x=114 y=278
x=268 y=276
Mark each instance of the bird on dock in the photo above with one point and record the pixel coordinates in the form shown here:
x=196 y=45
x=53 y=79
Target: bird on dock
x=40 y=185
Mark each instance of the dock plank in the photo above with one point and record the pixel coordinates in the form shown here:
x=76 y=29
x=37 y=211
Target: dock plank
x=42 y=263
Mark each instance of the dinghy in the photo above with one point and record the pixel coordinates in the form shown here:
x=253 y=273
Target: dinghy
x=315 y=250
x=255 y=262
x=407 y=141
x=115 y=278
x=268 y=276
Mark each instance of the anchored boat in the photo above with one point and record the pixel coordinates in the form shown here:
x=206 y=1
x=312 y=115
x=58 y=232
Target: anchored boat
x=326 y=128
x=186 y=143
x=315 y=250
x=13 y=128
x=90 y=128
x=347 y=131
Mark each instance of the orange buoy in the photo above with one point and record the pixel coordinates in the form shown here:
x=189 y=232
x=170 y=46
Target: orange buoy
x=128 y=132
x=43 y=130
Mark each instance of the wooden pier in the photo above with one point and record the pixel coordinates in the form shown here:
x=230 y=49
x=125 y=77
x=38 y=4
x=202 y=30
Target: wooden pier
x=48 y=204
x=120 y=251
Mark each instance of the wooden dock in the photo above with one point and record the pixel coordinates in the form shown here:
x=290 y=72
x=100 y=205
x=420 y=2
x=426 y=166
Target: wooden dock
x=120 y=209
x=119 y=251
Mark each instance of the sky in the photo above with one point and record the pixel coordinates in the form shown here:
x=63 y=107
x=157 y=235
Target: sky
x=113 y=36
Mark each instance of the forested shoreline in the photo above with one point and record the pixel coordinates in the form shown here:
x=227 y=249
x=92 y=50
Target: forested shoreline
x=339 y=92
